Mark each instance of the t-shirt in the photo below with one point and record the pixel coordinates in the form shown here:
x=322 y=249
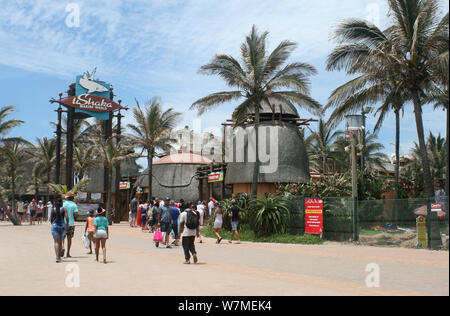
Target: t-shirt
x=211 y=207
x=235 y=213
x=166 y=214
x=134 y=206
x=101 y=223
x=71 y=208
x=186 y=231
x=175 y=214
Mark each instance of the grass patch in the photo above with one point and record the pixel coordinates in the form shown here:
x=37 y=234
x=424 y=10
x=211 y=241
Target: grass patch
x=246 y=234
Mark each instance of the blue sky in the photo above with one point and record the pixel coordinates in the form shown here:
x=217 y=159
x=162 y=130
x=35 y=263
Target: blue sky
x=155 y=47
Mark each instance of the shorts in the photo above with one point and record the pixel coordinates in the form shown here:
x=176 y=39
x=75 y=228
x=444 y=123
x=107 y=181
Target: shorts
x=166 y=227
x=143 y=219
x=133 y=215
x=40 y=215
x=70 y=232
x=32 y=213
x=58 y=232
x=90 y=236
x=234 y=225
x=101 y=234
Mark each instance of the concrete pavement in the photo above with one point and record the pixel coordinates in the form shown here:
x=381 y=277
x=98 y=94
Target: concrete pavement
x=136 y=267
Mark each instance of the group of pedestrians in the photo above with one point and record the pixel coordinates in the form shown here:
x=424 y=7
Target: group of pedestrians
x=182 y=220
x=63 y=217
x=32 y=212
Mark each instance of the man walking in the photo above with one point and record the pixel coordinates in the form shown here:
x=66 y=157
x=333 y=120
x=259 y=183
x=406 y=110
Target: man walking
x=134 y=209
x=235 y=215
x=165 y=220
x=72 y=212
x=175 y=216
x=189 y=228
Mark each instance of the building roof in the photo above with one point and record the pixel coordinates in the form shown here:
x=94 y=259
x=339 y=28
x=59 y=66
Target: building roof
x=183 y=158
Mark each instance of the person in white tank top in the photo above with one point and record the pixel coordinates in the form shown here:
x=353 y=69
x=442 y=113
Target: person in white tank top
x=218 y=215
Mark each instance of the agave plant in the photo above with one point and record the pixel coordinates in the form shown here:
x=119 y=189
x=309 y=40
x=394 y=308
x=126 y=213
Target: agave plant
x=271 y=215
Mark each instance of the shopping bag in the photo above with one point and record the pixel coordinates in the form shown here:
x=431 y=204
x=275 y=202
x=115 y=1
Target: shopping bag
x=157 y=237
x=86 y=241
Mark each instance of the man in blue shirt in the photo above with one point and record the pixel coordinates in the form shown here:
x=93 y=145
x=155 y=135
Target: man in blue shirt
x=72 y=212
x=175 y=215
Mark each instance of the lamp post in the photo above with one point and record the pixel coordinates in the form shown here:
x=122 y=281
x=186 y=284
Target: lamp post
x=354 y=125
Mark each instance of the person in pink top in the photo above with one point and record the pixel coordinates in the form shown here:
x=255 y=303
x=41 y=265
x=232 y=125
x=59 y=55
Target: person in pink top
x=90 y=229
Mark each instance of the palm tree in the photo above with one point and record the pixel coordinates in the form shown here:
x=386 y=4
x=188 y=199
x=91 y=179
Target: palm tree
x=6 y=126
x=421 y=39
x=84 y=159
x=404 y=55
x=110 y=154
x=259 y=78
x=44 y=158
x=321 y=147
x=152 y=132
x=14 y=154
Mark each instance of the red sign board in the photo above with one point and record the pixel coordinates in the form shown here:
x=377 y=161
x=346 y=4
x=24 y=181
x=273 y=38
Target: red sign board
x=215 y=177
x=314 y=216
x=89 y=102
x=436 y=207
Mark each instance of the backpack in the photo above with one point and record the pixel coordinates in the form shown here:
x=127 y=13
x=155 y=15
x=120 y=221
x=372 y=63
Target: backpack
x=192 y=220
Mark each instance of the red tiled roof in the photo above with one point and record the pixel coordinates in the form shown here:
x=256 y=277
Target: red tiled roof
x=183 y=158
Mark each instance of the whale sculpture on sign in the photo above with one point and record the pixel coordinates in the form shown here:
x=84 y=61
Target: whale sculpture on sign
x=90 y=85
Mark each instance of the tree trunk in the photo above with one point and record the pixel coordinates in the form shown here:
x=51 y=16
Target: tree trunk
x=447 y=159
x=256 y=167
x=150 y=175
x=13 y=216
x=397 y=154
x=397 y=164
x=427 y=178
x=108 y=196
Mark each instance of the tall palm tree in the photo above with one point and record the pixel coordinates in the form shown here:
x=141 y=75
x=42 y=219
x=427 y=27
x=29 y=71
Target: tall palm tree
x=406 y=52
x=111 y=153
x=84 y=159
x=152 y=132
x=422 y=40
x=260 y=77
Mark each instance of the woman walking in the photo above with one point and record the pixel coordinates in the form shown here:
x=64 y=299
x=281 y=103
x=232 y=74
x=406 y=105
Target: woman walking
x=101 y=234
x=90 y=229
x=218 y=215
x=59 y=222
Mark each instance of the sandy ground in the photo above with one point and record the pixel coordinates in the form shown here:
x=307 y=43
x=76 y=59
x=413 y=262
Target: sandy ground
x=137 y=267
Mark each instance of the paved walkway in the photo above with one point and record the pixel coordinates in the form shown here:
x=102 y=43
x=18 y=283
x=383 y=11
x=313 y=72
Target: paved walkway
x=137 y=267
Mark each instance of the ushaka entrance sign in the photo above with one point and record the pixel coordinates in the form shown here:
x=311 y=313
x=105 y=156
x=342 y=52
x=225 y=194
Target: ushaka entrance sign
x=88 y=102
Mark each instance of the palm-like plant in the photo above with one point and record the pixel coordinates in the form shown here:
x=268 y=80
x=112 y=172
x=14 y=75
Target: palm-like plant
x=421 y=39
x=260 y=77
x=152 y=132
x=271 y=215
x=321 y=147
x=7 y=125
x=404 y=56
x=84 y=159
x=14 y=154
x=111 y=153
